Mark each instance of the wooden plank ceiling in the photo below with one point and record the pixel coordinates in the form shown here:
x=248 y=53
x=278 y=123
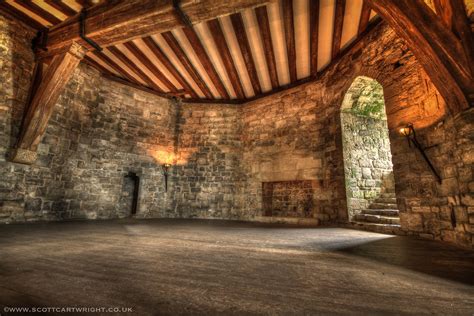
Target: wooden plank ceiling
x=231 y=58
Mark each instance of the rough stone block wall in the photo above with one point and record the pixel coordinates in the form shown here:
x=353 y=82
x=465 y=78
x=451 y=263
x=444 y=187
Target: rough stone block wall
x=367 y=160
x=99 y=131
x=288 y=198
x=292 y=136
x=102 y=130
x=208 y=170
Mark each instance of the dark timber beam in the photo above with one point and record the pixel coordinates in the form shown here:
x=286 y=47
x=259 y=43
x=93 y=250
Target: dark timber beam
x=239 y=29
x=114 y=65
x=338 y=24
x=118 y=21
x=6 y=8
x=364 y=17
x=224 y=52
x=148 y=64
x=264 y=27
x=62 y=7
x=445 y=11
x=133 y=67
x=205 y=61
x=45 y=91
x=183 y=58
x=438 y=50
x=36 y=9
x=313 y=35
x=289 y=25
x=462 y=27
x=156 y=50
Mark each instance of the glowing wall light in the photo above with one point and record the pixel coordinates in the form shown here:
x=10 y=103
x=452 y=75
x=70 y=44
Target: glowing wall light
x=408 y=131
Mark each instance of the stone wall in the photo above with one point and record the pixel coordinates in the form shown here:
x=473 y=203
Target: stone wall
x=366 y=145
x=295 y=135
x=99 y=131
x=208 y=169
x=288 y=198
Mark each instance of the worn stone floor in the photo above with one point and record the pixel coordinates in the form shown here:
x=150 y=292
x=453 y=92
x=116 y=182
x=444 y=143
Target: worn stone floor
x=216 y=267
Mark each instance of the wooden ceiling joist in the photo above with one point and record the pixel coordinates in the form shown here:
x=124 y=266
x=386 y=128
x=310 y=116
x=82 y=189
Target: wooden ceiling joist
x=133 y=67
x=264 y=27
x=364 y=17
x=208 y=65
x=158 y=53
x=119 y=21
x=224 y=52
x=36 y=9
x=148 y=64
x=313 y=35
x=113 y=65
x=244 y=45
x=205 y=61
x=183 y=58
x=20 y=16
x=289 y=26
x=88 y=60
x=61 y=7
x=338 y=24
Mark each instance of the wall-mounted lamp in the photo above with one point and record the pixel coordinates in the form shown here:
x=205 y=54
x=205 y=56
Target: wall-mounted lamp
x=166 y=168
x=409 y=132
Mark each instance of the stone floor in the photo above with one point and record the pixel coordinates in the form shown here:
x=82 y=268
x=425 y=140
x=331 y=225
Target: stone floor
x=218 y=267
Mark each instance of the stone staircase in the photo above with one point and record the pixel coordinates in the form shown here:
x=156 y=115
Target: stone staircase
x=381 y=216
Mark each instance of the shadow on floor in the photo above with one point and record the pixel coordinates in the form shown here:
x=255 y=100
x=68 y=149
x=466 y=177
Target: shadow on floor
x=428 y=257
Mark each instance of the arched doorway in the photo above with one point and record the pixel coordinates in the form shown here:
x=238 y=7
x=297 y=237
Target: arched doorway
x=370 y=186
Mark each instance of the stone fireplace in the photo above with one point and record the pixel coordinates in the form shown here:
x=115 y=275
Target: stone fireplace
x=288 y=198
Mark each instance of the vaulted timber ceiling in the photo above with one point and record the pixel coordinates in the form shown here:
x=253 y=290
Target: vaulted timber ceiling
x=236 y=57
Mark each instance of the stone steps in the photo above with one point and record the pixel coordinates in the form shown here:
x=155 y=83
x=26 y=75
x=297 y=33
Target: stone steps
x=383 y=212
x=379 y=219
x=381 y=216
x=387 y=200
x=384 y=206
x=387 y=195
x=377 y=228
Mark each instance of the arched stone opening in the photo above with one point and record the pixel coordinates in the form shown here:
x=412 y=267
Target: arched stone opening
x=368 y=169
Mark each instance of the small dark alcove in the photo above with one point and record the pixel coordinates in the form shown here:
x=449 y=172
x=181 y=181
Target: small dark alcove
x=129 y=196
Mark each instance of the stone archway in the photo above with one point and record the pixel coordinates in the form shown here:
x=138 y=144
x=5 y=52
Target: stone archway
x=368 y=170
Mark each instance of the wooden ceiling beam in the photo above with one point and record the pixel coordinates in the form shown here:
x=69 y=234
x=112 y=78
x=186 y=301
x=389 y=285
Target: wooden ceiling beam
x=265 y=33
x=338 y=24
x=113 y=65
x=118 y=21
x=36 y=9
x=463 y=30
x=313 y=35
x=91 y=62
x=17 y=14
x=289 y=26
x=124 y=59
x=364 y=17
x=239 y=29
x=224 y=52
x=148 y=64
x=445 y=11
x=46 y=89
x=158 y=53
x=183 y=58
x=61 y=7
x=205 y=61
x=437 y=49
